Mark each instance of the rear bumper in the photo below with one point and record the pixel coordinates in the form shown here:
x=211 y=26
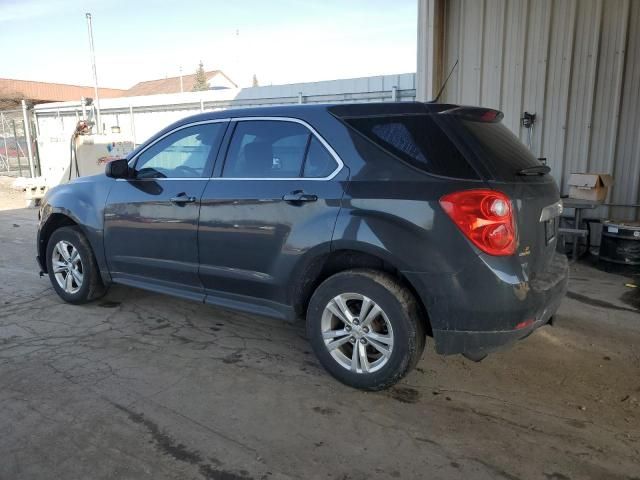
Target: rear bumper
x=481 y=310
x=480 y=343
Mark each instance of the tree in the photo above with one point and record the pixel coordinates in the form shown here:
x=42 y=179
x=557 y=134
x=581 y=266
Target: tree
x=254 y=82
x=201 y=80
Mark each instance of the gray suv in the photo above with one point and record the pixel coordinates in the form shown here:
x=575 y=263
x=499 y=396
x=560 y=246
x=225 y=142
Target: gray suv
x=378 y=224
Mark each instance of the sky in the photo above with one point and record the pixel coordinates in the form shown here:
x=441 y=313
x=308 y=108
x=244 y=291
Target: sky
x=280 y=41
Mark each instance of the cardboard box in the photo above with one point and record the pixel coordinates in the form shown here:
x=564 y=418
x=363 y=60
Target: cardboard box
x=589 y=186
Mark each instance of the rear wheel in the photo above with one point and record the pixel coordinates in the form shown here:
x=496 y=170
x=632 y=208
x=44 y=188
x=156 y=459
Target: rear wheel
x=72 y=267
x=365 y=328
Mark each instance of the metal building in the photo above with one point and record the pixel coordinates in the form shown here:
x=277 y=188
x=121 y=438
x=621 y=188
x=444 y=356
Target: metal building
x=574 y=63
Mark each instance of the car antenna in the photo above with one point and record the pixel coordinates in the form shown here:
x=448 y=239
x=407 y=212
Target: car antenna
x=435 y=100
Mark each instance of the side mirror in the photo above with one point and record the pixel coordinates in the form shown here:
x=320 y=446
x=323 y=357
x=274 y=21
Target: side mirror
x=118 y=168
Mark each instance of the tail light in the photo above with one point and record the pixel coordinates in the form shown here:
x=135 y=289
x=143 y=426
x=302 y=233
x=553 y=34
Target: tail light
x=485 y=217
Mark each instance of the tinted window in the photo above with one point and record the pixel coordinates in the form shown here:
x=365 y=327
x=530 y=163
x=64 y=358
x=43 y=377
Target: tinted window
x=418 y=140
x=183 y=154
x=319 y=162
x=504 y=153
x=275 y=149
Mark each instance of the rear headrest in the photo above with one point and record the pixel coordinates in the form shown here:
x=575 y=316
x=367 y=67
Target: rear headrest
x=258 y=157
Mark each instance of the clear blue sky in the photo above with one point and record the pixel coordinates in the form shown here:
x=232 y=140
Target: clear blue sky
x=281 y=41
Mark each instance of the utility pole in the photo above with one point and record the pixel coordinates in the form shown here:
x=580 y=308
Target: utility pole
x=181 y=86
x=96 y=100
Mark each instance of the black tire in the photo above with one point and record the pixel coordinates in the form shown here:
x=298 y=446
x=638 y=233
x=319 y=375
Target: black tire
x=401 y=310
x=92 y=286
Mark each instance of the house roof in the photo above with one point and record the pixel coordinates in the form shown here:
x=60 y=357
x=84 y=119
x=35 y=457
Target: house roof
x=171 y=84
x=38 y=92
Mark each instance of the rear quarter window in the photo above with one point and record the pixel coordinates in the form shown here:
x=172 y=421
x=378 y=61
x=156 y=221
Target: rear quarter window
x=417 y=140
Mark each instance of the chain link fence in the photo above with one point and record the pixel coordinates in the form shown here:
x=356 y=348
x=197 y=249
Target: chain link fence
x=14 y=151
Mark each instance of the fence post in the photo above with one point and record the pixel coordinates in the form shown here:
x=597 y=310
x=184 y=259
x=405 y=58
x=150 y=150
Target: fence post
x=4 y=137
x=300 y=98
x=36 y=154
x=27 y=135
x=15 y=138
x=133 y=125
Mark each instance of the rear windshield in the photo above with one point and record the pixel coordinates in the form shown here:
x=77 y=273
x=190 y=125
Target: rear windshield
x=503 y=154
x=418 y=140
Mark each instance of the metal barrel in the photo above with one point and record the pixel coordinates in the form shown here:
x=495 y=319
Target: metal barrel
x=620 y=243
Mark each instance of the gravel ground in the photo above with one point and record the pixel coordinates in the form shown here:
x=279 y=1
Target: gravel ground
x=138 y=385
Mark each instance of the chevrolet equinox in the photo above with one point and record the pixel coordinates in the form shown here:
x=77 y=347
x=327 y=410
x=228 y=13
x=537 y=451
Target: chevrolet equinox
x=378 y=224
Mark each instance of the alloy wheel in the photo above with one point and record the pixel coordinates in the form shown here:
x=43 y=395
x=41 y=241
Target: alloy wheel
x=67 y=266
x=357 y=333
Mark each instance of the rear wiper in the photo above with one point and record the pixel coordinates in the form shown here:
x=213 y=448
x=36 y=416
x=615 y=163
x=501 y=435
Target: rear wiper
x=535 y=170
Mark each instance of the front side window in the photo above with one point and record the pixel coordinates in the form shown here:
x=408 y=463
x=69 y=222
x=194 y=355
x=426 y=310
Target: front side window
x=276 y=149
x=185 y=153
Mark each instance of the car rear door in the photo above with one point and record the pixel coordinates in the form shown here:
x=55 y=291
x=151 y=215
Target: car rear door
x=151 y=219
x=273 y=200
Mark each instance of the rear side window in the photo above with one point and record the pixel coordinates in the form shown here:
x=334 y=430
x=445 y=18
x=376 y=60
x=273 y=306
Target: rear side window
x=418 y=140
x=276 y=149
x=319 y=162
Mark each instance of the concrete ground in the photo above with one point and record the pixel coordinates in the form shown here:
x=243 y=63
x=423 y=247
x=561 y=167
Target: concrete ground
x=137 y=385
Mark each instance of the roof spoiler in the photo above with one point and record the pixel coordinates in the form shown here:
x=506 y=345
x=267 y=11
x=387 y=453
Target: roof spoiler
x=476 y=114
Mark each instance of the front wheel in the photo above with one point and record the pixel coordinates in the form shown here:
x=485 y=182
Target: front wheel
x=365 y=328
x=72 y=267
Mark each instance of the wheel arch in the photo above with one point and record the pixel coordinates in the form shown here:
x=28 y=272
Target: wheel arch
x=323 y=266
x=58 y=218
x=55 y=221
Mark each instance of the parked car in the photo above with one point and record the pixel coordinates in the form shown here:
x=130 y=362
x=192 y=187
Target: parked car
x=379 y=224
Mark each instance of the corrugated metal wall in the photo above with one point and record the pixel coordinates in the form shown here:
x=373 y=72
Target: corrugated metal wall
x=575 y=63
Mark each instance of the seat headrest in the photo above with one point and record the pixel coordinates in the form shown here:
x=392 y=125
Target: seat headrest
x=258 y=157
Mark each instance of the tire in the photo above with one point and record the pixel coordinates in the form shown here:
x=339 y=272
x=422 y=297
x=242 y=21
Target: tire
x=84 y=266
x=398 y=323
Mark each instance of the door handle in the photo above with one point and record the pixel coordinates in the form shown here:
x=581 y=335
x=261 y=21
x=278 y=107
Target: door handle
x=182 y=198
x=299 y=196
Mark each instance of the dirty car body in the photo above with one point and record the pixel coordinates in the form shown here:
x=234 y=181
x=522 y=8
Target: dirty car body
x=441 y=200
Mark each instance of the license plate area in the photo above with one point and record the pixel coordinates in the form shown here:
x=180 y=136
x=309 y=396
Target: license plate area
x=549 y=219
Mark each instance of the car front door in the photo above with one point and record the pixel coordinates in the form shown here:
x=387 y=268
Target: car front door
x=151 y=219
x=275 y=198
